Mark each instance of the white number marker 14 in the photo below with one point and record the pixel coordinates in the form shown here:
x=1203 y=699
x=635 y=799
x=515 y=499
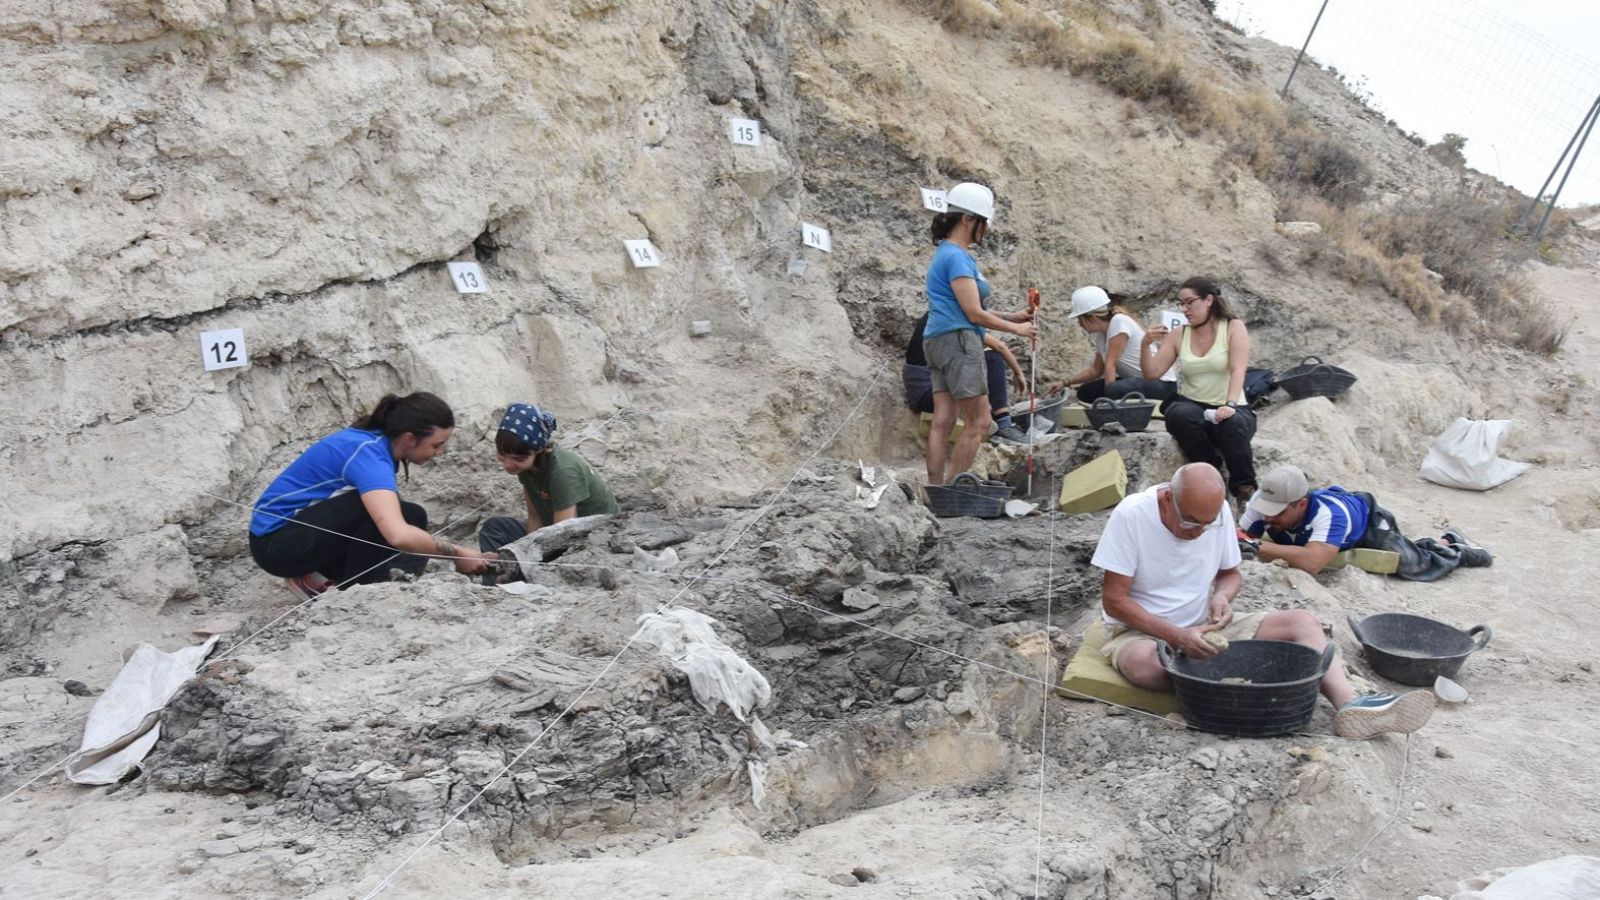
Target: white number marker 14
x=643 y=254
x=223 y=349
x=468 y=278
x=813 y=236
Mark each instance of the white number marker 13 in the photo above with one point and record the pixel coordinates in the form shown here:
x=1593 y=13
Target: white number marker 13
x=468 y=278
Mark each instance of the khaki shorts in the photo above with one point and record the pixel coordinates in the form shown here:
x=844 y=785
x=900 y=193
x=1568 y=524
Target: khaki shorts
x=955 y=364
x=1242 y=628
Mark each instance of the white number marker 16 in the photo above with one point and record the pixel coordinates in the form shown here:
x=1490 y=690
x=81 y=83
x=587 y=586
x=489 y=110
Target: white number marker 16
x=468 y=278
x=223 y=349
x=812 y=236
x=745 y=131
x=643 y=254
x=934 y=200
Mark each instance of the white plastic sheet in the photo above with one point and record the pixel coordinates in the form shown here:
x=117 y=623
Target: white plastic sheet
x=717 y=674
x=1563 y=878
x=1467 y=456
x=125 y=722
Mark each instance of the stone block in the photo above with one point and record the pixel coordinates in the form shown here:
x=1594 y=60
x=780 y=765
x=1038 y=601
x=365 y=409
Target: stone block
x=1098 y=484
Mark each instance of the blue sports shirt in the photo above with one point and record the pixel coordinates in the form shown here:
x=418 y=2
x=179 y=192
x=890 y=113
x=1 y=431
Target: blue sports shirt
x=352 y=459
x=1334 y=516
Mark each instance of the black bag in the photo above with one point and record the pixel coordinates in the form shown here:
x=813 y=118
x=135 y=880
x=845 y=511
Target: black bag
x=1258 y=383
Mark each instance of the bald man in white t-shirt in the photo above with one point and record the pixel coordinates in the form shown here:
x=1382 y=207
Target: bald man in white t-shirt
x=1171 y=570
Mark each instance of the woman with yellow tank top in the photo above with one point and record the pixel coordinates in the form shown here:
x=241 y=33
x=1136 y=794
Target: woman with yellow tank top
x=1209 y=418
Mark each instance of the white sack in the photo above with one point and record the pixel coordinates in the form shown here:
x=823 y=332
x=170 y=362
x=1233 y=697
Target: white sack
x=1467 y=456
x=125 y=722
x=716 y=673
x=1565 y=878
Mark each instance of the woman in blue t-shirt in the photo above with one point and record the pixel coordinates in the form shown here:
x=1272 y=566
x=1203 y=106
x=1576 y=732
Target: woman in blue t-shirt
x=952 y=341
x=335 y=516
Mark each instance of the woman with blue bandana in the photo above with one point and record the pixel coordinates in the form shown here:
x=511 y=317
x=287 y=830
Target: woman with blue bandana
x=335 y=514
x=557 y=484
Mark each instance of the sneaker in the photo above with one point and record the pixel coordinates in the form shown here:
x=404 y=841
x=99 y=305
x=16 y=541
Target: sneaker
x=308 y=585
x=1011 y=434
x=1377 y=714
x=1472 y=555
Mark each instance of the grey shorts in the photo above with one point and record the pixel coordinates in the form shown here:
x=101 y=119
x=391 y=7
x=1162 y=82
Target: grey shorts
x=955 y=362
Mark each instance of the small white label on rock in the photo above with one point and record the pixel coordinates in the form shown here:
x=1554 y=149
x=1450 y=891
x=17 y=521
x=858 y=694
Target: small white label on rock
x=745 y=131
x=643 y=254
x=814 y=236
x=700 y=327
x=934 y=199
x=468 y=278
x=223 y=349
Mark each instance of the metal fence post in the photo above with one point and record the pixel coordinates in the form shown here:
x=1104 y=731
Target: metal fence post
x=1284 y=94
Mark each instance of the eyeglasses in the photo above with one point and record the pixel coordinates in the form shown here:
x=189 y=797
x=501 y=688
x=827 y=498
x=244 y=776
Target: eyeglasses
x=1185 y=523
x=1189 y=301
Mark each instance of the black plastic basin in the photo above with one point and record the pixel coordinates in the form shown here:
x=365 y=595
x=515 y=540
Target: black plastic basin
x=1415 y=649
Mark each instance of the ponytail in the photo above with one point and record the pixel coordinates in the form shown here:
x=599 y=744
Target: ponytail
x=943 y=224
x=419 y=414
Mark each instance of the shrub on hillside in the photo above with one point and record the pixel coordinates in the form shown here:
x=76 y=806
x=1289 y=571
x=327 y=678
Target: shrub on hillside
x=1139 y=71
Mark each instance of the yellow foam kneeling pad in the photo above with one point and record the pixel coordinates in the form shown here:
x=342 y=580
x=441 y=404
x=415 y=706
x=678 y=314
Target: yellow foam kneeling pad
x=1090 y=673
x=1098 y=484
x=1378 y=562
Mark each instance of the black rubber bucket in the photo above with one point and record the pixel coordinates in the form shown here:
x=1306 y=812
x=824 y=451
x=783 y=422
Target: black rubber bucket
x=1131 y=412
x=1284 y=680
x=1048 y=410
x=1415 y=649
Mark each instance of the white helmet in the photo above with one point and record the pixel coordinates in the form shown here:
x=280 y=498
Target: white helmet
x=1087 y=300
x=971 y=198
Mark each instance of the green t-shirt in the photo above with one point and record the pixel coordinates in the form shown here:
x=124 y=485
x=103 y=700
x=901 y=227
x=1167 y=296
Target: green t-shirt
x=564 y=479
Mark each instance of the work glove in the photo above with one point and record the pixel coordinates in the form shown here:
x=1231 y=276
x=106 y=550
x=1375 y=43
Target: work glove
x=1249 y=548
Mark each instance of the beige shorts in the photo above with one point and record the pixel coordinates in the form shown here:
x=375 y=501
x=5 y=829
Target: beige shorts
x=1242 y=628
x=955 y=364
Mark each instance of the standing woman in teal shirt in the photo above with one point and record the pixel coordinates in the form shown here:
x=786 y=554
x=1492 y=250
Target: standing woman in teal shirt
x=953 y=338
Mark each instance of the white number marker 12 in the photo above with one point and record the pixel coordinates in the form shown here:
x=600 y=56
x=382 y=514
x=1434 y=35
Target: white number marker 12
x=643 y=254
x=468 y=278
x=934 y=200
x=812 y=236
x=223 y=349
x=745 y=131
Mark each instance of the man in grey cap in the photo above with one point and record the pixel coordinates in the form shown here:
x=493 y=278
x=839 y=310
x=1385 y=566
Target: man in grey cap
x=1309 y=527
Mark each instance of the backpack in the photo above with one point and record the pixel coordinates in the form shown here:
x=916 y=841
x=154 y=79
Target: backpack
x=1258 y=383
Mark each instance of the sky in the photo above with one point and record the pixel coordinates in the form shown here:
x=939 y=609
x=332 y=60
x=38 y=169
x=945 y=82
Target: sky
x=1515 y=77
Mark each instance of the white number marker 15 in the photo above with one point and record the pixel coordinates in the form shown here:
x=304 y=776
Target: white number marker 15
x=223 y=349
x=468 y=278
x=745 y=131
x=643 y=254
x=812 y=236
